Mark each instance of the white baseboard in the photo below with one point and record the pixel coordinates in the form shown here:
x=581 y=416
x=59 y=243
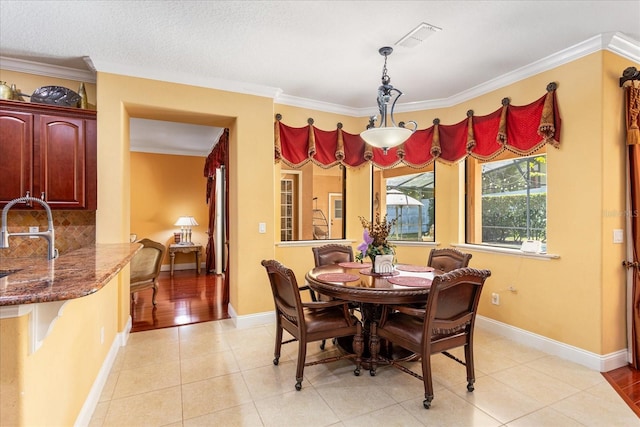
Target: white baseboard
x=601 y=363
x=90 y=403
x=251 y=320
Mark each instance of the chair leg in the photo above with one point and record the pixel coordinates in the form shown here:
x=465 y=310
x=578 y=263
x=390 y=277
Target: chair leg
x=302 y=354
x=153 y=297
x=428 y=381
x=471 y=376
x=276 y=351
x=358 y=348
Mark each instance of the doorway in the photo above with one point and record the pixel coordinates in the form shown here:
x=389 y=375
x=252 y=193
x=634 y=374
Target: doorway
x=167 y=182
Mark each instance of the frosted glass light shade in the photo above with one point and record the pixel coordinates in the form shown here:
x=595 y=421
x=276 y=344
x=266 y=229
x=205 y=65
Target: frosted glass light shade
x=186 y=221
x=386 y=137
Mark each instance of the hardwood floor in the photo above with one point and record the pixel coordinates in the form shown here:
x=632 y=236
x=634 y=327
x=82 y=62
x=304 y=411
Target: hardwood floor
x=182 y=299
x=626 y=382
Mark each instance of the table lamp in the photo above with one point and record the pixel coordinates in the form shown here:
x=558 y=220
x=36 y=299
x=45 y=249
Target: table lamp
x=185 y=223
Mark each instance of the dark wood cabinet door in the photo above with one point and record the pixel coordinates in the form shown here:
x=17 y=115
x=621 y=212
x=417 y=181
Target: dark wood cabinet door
x=60 y=173
x=50 y=152
x=16 y=155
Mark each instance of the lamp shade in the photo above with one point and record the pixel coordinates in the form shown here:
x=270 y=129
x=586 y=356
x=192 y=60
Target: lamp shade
x=186 y=221
x=386 y=137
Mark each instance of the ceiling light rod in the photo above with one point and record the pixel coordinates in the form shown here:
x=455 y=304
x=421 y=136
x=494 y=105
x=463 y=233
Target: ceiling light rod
x=387 y=135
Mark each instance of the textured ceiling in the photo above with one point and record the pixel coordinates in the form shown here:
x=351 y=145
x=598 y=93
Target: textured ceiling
x=324 y=51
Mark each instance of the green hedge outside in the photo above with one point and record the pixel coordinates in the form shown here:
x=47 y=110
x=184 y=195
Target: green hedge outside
x=504 y=218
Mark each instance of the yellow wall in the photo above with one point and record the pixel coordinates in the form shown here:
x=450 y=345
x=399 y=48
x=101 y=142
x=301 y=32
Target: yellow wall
x=577 y=299
x=163 y=188
x=250 y=120
x=50 y=386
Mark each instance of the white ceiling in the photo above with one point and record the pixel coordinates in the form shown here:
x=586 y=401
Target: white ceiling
x=318 y=53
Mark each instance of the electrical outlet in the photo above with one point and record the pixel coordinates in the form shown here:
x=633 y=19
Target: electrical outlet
x=262 y=227
x=33 y=230
x=495 y=298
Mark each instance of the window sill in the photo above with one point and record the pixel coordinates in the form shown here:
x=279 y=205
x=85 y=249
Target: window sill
x=505 y=251
x=413 y=243
x=308 y=243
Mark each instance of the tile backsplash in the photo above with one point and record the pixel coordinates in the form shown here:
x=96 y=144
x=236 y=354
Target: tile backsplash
x=73 y=230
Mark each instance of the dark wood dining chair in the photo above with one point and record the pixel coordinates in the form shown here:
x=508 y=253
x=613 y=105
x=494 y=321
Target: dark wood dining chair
x=332 y=253
x=325 y=255
x=447 y=322
x=309 y=321
x=448 y=259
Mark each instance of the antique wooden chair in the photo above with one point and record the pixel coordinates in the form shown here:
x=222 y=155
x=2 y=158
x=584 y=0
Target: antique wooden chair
x=329 y=254
x=145 y=267
x=448 y=259
x=332 y=254
x=310 y=321
x=325 y=255
x=447 y=322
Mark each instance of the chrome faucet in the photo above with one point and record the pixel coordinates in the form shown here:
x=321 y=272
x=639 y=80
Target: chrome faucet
x=49 y=234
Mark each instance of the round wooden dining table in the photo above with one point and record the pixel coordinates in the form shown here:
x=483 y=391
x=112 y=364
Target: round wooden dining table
x=354 y=282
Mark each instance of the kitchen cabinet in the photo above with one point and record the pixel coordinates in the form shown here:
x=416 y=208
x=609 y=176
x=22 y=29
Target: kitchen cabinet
x=49 y=152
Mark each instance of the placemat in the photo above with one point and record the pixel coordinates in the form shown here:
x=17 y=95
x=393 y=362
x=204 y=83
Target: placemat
x=410 y=281
x=338 y=277
x=368 y=272
x=415 y=268
x=355 y=264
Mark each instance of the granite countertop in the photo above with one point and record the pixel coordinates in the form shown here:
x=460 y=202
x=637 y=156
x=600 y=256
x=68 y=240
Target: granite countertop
x=72 y=275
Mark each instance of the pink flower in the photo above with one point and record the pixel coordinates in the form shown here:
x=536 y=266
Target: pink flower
x=367 y=241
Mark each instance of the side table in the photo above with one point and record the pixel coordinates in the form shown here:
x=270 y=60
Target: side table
x=185 y=249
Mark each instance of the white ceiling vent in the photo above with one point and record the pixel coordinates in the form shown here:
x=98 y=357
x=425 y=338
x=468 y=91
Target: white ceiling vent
x=418 y=35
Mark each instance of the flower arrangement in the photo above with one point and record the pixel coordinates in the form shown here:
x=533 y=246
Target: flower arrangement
x=375 y=238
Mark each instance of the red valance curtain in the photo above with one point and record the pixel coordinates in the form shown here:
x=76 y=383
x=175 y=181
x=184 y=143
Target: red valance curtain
x=218 y=157
x=520 y=129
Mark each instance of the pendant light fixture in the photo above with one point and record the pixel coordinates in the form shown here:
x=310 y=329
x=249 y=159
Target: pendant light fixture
x=387 y=134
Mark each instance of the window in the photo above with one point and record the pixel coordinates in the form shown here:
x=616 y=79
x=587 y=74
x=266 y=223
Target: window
x=286 y=209
x=507 y=200
x=312 y=203
x=407 y=195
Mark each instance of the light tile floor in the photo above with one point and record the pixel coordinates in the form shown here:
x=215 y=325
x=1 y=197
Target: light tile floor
x=212 y=374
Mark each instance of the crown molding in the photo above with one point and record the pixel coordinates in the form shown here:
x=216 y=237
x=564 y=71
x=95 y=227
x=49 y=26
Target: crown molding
x=624 y=46
x=617 y=43
x=326 y=107
x=186 y=79
x=47 y=70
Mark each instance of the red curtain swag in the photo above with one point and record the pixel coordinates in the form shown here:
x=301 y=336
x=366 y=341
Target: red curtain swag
x=219 y=156
x=520 y=129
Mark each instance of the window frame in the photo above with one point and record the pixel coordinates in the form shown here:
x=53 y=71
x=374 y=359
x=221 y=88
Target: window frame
x=473 y=210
